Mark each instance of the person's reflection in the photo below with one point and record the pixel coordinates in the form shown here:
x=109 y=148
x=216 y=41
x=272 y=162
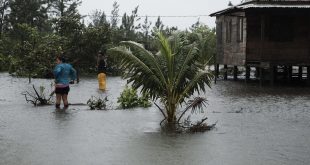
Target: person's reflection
x=62 y=115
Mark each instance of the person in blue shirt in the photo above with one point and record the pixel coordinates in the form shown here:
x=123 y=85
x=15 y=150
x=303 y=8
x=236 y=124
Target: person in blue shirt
x=64 y=75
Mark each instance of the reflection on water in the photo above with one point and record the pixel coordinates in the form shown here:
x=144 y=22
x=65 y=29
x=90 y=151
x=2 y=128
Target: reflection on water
x=62 y=115
x=255 y=126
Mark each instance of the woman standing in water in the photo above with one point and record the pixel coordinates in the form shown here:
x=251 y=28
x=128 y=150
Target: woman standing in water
x=64 y=75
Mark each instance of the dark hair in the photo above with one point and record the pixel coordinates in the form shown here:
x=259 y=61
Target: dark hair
x=61 y=58
x=102 y=52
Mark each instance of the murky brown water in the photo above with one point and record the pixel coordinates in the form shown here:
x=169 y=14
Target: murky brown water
x=272 y=128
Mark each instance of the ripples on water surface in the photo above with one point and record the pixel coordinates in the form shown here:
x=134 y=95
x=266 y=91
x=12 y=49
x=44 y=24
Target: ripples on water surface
x=257 y=126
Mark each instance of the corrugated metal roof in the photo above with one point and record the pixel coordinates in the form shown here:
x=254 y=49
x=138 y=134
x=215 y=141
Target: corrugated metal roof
x=298 y=4
x=271 y=6
x=276 y=1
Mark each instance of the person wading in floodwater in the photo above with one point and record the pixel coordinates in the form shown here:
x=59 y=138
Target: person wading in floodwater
x=64 y=74
x=101 y=67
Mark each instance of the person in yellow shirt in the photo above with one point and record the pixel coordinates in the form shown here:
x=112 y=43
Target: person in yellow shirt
x=101 y=67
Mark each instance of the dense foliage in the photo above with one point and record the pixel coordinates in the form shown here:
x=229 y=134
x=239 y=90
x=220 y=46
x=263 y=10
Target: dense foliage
x=129 y=99
x=33 y=33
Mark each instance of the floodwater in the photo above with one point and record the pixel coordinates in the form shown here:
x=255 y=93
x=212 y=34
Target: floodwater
x=257 y=126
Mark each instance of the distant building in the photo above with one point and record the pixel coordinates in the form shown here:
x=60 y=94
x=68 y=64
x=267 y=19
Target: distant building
x=266 y=34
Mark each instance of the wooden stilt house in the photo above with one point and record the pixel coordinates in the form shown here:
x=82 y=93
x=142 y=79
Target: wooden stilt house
x=266 y=34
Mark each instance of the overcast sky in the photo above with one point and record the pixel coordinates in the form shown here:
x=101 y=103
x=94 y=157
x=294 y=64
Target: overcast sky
x=163 y=8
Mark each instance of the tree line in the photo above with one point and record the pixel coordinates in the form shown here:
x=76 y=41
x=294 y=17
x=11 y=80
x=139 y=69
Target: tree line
x=33 y=32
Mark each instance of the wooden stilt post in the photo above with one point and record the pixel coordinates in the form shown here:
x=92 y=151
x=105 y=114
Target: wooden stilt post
x=261 y=76
x=272 y=74
x=257 y=72
x=308 y=75
x=225 y=72
x=247 y=73
x=235 y=73
x=275 y=72
x=289 y=74
x=216 y=72
x=300 y=73
x=261 y=50
x=285 y=72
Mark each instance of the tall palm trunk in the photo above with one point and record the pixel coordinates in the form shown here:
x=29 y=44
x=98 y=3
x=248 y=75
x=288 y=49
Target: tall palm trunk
x=171 y=109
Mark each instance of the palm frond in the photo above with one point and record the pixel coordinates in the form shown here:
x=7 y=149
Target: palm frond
x=166 y=51
x=194 y=104
x=147 y=57
x=186 y=64
x=197 y=103
x=196 y=84
x=138 y=72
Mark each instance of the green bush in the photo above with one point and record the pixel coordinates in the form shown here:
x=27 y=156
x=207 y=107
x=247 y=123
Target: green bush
x=2 y=62
x=144 y=100
x=129 y=99
x=97 y=103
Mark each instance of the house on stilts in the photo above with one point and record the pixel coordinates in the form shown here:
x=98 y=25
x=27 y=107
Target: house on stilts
x=272 y=36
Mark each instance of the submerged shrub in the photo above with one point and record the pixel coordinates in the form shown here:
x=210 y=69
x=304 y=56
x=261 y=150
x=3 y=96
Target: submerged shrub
x=144 y=100
x=97 y=103
x=38 y=98
x=129 y=99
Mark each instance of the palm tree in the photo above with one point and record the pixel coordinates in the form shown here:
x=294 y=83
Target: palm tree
x=171 y=76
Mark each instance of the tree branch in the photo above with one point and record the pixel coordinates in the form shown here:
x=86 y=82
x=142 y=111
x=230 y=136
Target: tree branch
x=162 y=121
x=198 y=102
x=36 y=99
x=186 y=109
x=161 y=110
x=33 y=102
x=202 y=120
